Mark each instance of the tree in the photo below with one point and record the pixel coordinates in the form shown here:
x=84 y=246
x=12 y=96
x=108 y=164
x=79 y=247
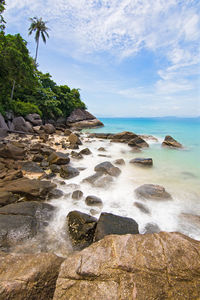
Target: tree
x=39 y=26
x=2 y=8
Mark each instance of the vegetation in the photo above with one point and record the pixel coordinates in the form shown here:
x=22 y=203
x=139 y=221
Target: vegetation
x=39 y=26
x=2 y=8
x=24 y=89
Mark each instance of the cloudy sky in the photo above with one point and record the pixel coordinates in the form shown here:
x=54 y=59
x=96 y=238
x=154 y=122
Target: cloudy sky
x=130 y=58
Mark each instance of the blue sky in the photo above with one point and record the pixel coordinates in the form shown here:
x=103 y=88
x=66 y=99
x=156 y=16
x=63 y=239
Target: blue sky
x=130 y=58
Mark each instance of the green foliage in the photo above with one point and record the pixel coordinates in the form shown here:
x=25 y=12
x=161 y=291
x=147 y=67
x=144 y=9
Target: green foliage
x=2 y=8
x=24 y=108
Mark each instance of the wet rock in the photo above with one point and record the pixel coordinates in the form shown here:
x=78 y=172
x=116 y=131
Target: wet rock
x=81 y=118
x=93 y=201
x=104 y=181
x=138 y=142
x=150 y=266
x=94 y=212
x=11 y=151
x=151 y=228
x=48 y=128
x=73 y=146
x=135 y=150
x=28 y=276
x=68 y=172
x=91 y=179
x=7 y=198
x=44 y=164
x=149 y=137
x=190 y=218
x=81 y=229
x=119 y=161
x=102 y=149
x=55 y=194
x=144 y=162
x=34 y=119
x=170 y=142
x=58 y=158
x=143 y=208
x=85 y=151
x=125 y=136
x=31 y=188
x=38 y=158
x=108 y=168
x=31 y=167
x=55 y=168
x=77 y=194
x=45 y=150
x=74 y=139
x=113 y=224
x=152 y=192
x=76 y=155
x=99 y=135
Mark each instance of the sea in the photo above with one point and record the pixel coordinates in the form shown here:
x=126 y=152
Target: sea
x=177 y=170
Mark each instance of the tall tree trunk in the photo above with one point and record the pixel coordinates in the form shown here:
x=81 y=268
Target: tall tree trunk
x=36 y=51
x=12 y=92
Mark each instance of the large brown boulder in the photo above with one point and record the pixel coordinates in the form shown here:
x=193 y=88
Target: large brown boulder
x=170 y=142
x=10 y=150
x=34 y=119
x=107 y=167
x=150 y=266
x=152 y=192
x=138 y=142
x=81 y=118
x=125 y=136
x=21 y=125
x=28 y=276
x=31 y=188
x=58 y=158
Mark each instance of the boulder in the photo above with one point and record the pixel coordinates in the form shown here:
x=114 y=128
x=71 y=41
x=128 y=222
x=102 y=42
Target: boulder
x=34 y=119
x=28 y=276
x=143 y=208
x=138 y=142
x=38 y=158
x=31 y=188
x=55 y=168
x=31 y=167
x=21 y=125
x=152 y=192
x=113 y=224
x=7 y=198
x=150 y=266
x=81 y=118
x=119 y=161
x=93 y=201
x=151 y=228
x=74 y=139
x=170 y=142
x=76 y=155
x=55 y=194
x=68 y=172
x=85 y=151
x=67 y=132
x=102 y=149
x=3 y=133
x=48 y=128
x=3 y=124
x=108 y=168
x=81 y=229
x=77 y=194
x=91 y=179
x=143 y=162
x=58 y=158
x=104 y=181
x=9 y=150
x=125 y=136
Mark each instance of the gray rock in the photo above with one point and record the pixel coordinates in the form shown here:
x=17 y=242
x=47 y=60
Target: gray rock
x=31 y=167
x=142 y=207
x=77 y=194
x=55 y=168
x=55 y=194
x=107 y=168
x=119 y=161
x=85 y=151
x=3 y=133
x=34 y=119
x=152 y=192
x=49 y=128
x=91 y=179
x=93 y=201
x=68 y=172
x=3 y=124
x=113 y=224
x=9 y=150
x=76 y=155
x=138 y=142
x=144 y=162
x=58 y=158
x=151 y=228
x=20 y=125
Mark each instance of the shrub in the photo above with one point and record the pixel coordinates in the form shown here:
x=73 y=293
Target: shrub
x=24 y=108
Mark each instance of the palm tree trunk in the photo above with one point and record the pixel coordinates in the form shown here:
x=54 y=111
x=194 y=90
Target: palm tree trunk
x=36 y=50
x=12 y=92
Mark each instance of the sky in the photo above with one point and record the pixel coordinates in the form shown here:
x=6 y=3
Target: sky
x=129 y=58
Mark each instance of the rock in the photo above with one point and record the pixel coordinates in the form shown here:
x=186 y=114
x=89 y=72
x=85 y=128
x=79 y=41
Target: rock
x=34 y=119
x=144 y=162
x=150 y=266
x=151 y=228
x=91 y=179
x=102 y=149
x=93 y=201
x=55 y=194
x=55 y=168
x=48 y=128
x=73 y=146
x=85 y=151
x=68 y=172
x=76 y=155
x=28 y=276
x=38 y=158
x=44 y=164
x=74 y=139
x=77 y=194
x=81 y=118
x=148 y=137
x=108 y=168
x=21 y=125
x=119 y=161
x=58 y=158
x=171 y=143
x=31 y=188
x=125 y=136
x=31 y=167
x=99 y=135
x=3 y=124
x=135 y=150
x=3 y=133
x=191 y=218
x=113 y=224
x=104 y=181
x=11 y=151
x=7 y=198
x=94 y=211
x=45 y=150
x=81 y=229
x=12 y=175
x=67 y=132
x=152 y=192
x=142 y=207
x=138 y=142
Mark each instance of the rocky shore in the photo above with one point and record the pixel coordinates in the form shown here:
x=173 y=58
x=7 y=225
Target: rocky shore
x=104 y=255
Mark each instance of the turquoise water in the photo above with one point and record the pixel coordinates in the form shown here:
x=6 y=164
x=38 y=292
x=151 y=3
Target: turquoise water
x=185 y=130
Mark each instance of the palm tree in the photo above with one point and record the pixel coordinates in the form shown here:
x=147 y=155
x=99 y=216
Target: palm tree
x=39 y=26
